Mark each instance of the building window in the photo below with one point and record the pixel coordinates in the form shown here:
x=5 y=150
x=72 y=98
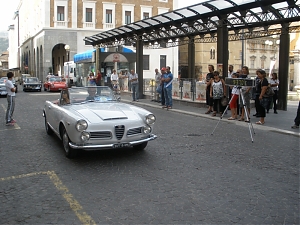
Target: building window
x=108 y=16
x=146 y=62
x=127 y=17
x=146 y=15
x=163 y=61
x=60 y=13
x=88 y=15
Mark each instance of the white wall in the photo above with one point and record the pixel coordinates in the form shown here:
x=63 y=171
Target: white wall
x=172 y=60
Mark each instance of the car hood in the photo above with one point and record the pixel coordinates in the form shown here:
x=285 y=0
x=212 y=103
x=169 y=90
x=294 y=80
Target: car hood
x=97 y=112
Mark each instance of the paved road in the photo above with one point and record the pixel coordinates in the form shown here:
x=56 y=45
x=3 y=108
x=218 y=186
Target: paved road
x=186 y=176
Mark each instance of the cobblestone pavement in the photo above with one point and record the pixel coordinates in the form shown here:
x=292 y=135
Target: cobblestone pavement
x=185 y=176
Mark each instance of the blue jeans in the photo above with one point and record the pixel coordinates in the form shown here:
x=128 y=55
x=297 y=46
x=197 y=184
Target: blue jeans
x=168 y=96
x=135 y=91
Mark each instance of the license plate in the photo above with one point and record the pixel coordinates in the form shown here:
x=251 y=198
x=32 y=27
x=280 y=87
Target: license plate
x=121 y=145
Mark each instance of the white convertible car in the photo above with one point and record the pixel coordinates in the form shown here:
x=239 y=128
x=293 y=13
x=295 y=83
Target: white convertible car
x=91 y=118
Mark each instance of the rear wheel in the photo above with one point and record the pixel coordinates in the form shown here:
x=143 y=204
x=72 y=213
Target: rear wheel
x=49 y=131
x=69 y=152
x=141 y=146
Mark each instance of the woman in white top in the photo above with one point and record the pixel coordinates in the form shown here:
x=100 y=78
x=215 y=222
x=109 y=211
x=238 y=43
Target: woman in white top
x=274 y=82
x=217 y=92
x=115 y=80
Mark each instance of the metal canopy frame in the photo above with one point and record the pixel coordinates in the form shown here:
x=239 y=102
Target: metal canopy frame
x=202 y=19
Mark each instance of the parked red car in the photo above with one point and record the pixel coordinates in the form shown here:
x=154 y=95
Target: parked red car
x=54 y=83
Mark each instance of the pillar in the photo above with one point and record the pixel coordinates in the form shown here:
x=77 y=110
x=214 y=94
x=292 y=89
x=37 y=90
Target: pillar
x=283 y=70
x=191 y=58
x=222 y=47
x=139 y=65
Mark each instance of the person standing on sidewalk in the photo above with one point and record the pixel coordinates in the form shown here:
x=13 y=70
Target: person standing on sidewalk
x=10 y=89
x=157 y=86
x=274 y=82
x=134 y=80
x=168 y=79
x=297 y=119
x=162 y=97
x=209 y=100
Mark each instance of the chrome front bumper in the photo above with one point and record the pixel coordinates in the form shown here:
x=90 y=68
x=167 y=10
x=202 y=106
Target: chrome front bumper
x=110 y=146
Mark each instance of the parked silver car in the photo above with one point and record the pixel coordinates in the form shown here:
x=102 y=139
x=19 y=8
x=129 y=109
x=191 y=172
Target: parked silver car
x=32 y=84
x=92 y=118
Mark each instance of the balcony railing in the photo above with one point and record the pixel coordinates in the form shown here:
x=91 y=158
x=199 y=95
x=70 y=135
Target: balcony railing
x=108 y=26
x=60 y=23
x=89 y=25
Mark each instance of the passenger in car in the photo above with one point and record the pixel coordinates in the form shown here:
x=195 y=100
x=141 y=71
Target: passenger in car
x=65 y=98
x=92 y=93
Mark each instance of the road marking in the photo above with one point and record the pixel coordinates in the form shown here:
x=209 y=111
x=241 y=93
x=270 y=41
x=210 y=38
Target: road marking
x=74 y=204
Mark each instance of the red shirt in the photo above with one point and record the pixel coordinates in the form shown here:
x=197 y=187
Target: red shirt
x=99 y=76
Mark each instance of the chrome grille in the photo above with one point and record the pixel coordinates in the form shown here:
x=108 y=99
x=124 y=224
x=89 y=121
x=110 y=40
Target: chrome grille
x=119 y=131
x=101 y=135
x=134 y=131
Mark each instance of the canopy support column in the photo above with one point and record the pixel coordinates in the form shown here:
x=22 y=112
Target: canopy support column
x=139 y=65
x=191 y=58
x=222 y=48
x=283 y=71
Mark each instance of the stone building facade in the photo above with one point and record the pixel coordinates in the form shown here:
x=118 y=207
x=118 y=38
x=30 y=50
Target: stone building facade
x=43 y=27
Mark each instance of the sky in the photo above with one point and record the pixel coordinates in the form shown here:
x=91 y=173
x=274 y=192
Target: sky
x=7 y=9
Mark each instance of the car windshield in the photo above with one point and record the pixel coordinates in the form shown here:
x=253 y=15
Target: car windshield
x=55 y=79
x=80 y=95
x=31 y=80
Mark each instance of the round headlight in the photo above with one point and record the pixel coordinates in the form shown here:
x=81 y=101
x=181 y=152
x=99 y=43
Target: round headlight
x=81 y=125
x=150 y=119
x=85 y=136
x=147 y=129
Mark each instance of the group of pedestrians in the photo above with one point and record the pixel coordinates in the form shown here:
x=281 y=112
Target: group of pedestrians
x=216 y=90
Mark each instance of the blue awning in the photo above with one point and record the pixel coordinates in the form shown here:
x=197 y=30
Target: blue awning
x=87 y=56
x=84 y=56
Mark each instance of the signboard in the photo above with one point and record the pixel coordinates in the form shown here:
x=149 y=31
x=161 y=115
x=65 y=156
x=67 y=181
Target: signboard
x=186 y=89
x=240 y=82
x=200 y=91
x=175 y=88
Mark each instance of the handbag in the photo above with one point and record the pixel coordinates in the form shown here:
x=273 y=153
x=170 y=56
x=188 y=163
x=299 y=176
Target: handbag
x=269 y=92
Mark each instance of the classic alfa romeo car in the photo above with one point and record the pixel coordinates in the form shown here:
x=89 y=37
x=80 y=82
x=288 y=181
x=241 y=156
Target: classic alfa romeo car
x=32 y=84
x=54 y=83
x=92 y=118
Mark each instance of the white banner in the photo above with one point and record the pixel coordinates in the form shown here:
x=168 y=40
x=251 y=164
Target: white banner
x=175 y=88
x=186 y=89
x=200 y=91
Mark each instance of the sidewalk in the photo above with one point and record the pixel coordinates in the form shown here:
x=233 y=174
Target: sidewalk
x=280 y=122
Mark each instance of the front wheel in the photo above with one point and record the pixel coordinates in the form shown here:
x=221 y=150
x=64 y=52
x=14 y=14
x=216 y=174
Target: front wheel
x=69 y=152
x=141 y=146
